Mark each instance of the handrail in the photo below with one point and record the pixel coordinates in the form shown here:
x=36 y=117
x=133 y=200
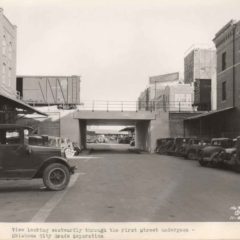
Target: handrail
x=155 y=105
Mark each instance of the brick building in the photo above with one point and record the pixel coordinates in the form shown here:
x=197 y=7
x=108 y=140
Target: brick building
x=225 y=120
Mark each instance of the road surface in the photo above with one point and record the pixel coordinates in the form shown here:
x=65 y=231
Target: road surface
x=126 y=187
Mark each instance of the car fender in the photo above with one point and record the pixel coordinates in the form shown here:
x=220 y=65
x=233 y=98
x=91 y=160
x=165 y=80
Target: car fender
x=54 y=159
x=215 y=155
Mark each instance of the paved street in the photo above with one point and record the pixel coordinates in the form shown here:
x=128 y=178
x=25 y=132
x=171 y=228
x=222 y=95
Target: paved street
x=125 y=186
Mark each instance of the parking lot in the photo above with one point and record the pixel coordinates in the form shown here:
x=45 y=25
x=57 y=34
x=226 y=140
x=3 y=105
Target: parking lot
x=125 y=186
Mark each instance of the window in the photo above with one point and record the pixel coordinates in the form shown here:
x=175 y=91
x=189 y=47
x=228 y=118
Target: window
x=224 y=95
x=224 y=63
x=10 y=50
x=10 y=137
x=4 y=45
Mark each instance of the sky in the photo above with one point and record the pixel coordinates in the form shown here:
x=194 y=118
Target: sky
x=114 y=45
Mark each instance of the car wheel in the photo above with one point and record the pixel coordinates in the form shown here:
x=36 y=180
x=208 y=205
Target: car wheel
x=56 y=176
x=191 y=155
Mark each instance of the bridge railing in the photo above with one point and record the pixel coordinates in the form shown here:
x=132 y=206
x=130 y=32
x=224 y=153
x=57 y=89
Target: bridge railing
x=180 y=106
x=109 y=106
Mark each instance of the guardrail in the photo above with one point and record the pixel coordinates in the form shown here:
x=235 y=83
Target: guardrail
x=181 y=106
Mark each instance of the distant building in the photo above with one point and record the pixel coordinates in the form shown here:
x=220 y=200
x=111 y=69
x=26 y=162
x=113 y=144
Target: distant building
x=200 y=69
x=159 y=82
x=143 y=100
x=176 y=98
x=49 y=90
x=224 y=122
x=8 y=35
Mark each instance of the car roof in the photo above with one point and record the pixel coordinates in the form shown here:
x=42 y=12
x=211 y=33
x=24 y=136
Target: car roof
x=13 y=126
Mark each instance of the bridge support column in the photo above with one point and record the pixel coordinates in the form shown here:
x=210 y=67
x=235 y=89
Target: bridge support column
x=142 y=135
x=83 y=134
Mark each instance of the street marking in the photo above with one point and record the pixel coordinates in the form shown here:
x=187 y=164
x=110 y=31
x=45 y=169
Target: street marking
x=45 y=211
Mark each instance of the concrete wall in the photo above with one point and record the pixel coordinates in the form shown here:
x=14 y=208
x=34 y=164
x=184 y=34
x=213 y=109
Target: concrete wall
x=59 y=123
x=69 y=127
x=158 y=128
x=166 y=124
x=83 y=134
x=176 y=123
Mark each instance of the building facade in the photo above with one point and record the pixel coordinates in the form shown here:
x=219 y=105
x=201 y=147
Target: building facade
x=224 y=122
x=8 y=38
x=159 y=82
x=200 y=65
x=10 y=104
x=49 y=90
x=178 y=97
x=152 y=94
x=227 y=41
x=143 y=100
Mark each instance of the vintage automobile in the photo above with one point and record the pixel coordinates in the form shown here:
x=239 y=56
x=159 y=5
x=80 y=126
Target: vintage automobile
x=193 y=147
x=177 y=146
x=26 y=157
x=219 y=151
x=163 y=144
x=125 y=140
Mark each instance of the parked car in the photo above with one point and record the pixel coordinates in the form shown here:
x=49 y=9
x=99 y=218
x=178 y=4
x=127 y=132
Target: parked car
x=163 y=144
x=125 y=140
x=177 y=146
x=219 y=151
x=27 y=157
x=193 y=147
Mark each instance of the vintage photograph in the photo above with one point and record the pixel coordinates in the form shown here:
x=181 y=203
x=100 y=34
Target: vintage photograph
x=119 y=112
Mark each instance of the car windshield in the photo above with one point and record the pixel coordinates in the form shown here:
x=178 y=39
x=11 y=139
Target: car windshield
x=223 y=143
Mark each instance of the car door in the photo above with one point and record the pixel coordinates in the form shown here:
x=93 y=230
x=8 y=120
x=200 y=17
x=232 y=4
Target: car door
x=14 y=155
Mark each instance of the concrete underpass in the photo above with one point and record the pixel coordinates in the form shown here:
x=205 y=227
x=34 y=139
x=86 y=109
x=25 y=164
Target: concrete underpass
x=141 y=121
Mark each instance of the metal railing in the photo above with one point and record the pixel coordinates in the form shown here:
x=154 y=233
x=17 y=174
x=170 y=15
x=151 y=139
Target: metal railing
x=101 y=105
x=180 y=106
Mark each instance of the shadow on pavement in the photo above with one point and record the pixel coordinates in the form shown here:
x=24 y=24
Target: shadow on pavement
x=14 y=189
x=114 y=151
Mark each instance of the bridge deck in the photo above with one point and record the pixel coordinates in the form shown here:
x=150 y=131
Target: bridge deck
x=113 y=115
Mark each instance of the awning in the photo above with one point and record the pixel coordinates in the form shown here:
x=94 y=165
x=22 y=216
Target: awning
x=203 y=115
x=19 y=104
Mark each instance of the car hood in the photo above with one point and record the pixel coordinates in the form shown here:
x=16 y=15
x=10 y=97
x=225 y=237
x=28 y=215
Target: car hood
x=209 y=150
